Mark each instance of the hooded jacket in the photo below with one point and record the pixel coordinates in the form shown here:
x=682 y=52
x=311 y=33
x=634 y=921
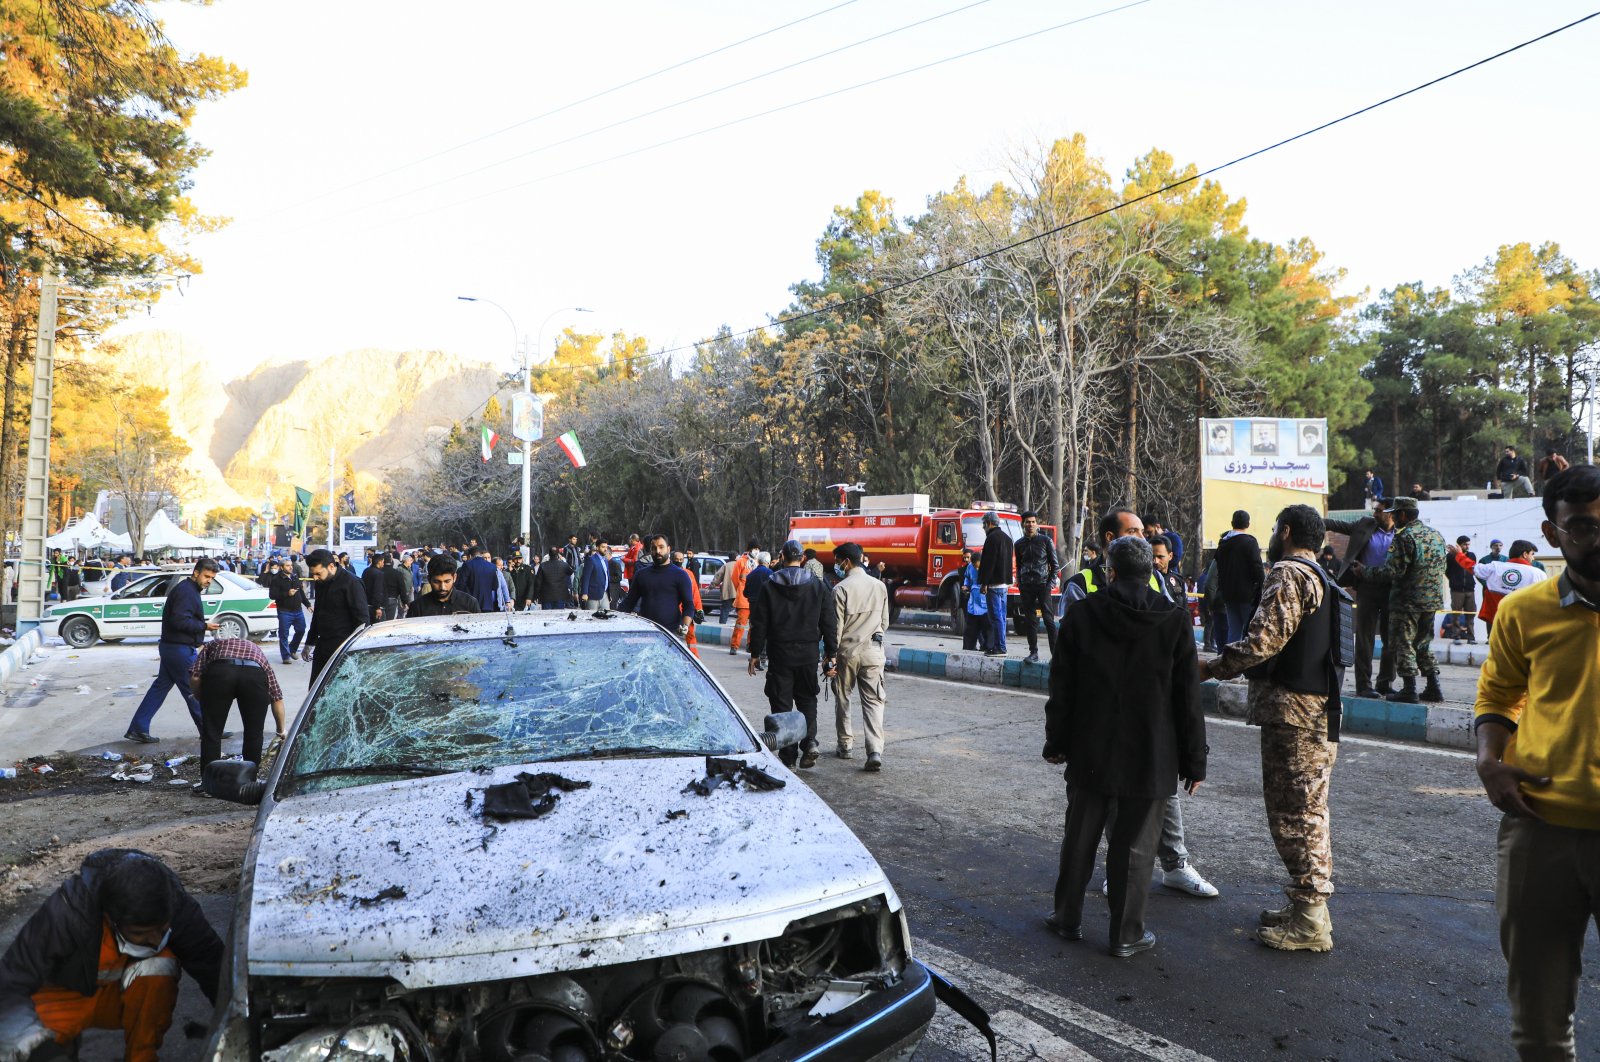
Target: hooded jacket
x=60 y=943
x=790 y=616
x=1124 y=705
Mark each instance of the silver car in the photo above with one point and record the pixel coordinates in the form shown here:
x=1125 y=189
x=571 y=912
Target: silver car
x=553 y=841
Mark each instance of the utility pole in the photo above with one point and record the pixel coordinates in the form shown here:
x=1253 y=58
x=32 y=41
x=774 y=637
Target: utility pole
x=527 y=455
x=1592 y=397
x=34 y=578
x=332 y=508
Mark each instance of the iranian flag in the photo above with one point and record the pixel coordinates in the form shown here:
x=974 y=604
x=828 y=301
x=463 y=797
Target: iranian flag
x=489 y=439
x=573 y=448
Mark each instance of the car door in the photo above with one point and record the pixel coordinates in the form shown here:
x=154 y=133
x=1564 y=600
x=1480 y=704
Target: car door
x=707 y=569
x=136 y=611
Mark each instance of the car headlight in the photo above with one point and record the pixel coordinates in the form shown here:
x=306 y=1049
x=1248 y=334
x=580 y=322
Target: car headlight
x=353 y=1043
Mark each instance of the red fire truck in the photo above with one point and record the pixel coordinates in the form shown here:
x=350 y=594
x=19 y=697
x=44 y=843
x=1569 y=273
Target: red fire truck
x=921 y=545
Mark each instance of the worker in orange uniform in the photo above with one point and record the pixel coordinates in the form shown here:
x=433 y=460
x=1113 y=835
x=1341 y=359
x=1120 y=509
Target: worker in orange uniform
x=742 y=566
x=699 y=608
x=104 y=952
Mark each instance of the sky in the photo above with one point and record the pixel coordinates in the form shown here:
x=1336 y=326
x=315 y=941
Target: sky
x=388 y=157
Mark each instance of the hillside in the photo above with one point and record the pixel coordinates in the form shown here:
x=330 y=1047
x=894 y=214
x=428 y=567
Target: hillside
x=276 y=424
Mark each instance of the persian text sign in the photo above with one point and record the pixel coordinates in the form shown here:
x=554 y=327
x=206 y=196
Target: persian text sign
x=1266 y=452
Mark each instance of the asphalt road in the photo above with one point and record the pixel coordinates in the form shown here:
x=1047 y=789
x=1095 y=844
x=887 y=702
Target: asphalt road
x=966 y=820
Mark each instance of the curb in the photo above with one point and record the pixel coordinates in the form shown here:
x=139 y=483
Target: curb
x=20 y=652
x=1434 y=724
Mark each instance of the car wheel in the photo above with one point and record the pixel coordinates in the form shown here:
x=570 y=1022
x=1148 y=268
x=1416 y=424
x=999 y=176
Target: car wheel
x=232 y=627
x=79 y=632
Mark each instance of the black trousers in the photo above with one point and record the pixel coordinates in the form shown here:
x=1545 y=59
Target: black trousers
x=795 y=686
x=322 y=652
x=221 y=685
x=1372 y=616
x=1130 y=859
x=1036 y=598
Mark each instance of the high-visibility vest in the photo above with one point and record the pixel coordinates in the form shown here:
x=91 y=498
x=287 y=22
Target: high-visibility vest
x=1089 y=586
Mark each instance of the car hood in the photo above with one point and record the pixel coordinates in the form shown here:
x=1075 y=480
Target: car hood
x=404 y=880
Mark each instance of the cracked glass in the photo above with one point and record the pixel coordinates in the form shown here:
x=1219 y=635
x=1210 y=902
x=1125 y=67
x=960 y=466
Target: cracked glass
x=443 y=706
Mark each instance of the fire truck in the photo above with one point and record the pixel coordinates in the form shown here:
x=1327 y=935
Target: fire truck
x=921 y=545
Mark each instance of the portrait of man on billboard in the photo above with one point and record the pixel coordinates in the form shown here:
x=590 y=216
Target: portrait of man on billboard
x=1312 y=443
x=1264 y=438
x=1219 y=440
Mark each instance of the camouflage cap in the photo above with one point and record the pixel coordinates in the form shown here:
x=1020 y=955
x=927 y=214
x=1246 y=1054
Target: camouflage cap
x=1402 y=505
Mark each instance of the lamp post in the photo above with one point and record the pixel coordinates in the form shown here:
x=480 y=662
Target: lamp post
x=333 y=462
x=527 y=389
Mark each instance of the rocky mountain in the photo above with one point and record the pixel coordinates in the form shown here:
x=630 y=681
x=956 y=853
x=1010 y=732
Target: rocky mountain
x=277 y=424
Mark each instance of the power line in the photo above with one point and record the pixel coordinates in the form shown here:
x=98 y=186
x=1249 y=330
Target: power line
x=664 y=108
x=562 y=108
x=1073 y=223
x=772 y=110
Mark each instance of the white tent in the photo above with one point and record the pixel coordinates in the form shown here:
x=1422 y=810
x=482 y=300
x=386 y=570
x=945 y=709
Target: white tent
x=162 y=533
x=87 y=533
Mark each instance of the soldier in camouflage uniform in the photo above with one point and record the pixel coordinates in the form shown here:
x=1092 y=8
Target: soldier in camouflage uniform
x=1414 y=571
x=1296 y=753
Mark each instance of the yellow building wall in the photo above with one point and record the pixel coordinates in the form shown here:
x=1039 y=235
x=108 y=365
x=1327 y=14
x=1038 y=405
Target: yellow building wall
x=1220 y=498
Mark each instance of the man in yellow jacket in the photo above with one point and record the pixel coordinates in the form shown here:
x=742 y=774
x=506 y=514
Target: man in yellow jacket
x=1539 y=758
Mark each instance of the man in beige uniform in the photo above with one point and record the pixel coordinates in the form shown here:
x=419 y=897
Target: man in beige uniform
x=861 y=604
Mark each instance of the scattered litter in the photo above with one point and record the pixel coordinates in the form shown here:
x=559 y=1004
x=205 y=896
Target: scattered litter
x=680 y=813
x=44 y=768
x=33 y=682
x=175 y=762
x=84 y=691
x=111 y=757
x=722 y=771
x=129 y=686
x=177 y=781
x=144 y=774
x=393 y=892
x=8 y=772
x=531 y=796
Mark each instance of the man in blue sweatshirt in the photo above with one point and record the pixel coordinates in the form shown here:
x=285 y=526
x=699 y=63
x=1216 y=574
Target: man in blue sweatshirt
x=183 y=628
x=661 y=591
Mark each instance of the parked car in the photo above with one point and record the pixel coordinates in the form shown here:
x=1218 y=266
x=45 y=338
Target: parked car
x=241 y=607
x=482 y=840
x=704 y=567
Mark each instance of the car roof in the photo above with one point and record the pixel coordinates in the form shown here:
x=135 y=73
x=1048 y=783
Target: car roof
x=493 y=625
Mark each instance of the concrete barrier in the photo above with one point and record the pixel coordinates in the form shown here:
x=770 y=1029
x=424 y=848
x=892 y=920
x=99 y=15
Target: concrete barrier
x=1436 y=724
x=20 y=652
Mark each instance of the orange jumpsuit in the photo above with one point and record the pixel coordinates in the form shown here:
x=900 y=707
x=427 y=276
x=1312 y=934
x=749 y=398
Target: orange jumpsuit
x=741 y=604
x=142 y=1010
x=689 y=638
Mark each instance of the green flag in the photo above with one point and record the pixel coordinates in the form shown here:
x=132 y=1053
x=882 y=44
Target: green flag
x=302 y=510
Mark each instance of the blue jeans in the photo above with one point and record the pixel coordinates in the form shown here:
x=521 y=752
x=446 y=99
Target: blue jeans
x=290 y=621
x=997 y=619
x=1238 y=620
x=175 y=663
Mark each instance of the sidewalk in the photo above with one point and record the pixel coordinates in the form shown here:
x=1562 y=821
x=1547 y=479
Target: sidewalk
x=938 y=654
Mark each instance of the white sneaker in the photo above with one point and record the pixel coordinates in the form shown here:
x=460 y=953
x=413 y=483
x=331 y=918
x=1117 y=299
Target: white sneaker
x=1187 y=879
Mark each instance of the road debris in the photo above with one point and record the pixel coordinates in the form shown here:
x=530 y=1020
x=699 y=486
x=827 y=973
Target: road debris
x=722 y=771
x=531 y=796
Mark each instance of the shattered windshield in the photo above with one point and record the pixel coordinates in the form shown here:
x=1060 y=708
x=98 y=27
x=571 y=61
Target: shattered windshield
x=439 y=707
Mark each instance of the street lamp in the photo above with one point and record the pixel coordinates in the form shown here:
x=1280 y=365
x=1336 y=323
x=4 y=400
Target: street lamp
x=527 y=389
x=332 y=464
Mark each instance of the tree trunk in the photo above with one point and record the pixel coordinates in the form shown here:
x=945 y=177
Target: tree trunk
x=1394 y=437
x=8 y=442
x=1130 y=489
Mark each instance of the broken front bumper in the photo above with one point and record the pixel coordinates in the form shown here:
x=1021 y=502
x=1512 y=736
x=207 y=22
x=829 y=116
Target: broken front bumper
x=882 y=1026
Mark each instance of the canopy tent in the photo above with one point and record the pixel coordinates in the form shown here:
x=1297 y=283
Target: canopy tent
x=85 y=534
x=162 y=533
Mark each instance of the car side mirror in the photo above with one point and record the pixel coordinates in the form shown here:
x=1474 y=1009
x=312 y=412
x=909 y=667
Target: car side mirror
x=783 y=730
x=233 y=780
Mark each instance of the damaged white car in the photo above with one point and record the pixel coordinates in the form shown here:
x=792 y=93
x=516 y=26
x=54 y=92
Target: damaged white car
x=553 y=841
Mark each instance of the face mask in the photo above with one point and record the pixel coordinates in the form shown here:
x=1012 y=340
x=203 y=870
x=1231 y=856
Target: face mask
x=838 y=571
x=142 y=951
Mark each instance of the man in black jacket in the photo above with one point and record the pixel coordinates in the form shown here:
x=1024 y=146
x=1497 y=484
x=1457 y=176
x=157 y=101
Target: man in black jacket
x=289 y=598
x=183 y=628
x=553 y=582
x=1124 y=715
x=787 y=620
x=521 y=576
x=1036 y=568
x=111 y=941
x=442 y=598
x=1367 y=547
x=341 y=610
x=1240 y=574
x=995 y=571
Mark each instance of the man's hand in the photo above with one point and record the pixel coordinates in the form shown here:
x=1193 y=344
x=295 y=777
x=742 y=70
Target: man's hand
x=1503 y=783
x=21 y=1033
x=583 y=600
x=750 y=669
x=213 y=626
x=831 y=668
x=1052 y=755
x=1190 y=785
x=1451 y=548
x=306 y=654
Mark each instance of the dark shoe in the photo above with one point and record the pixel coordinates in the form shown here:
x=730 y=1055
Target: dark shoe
x=1384 y=692
x=1432 y=694
x=1144 y=943
x=1407 y=693
x=874 y=762
x=143 y=739
x=227 y=733
x=1367 y=692
x=1053 y=924
x=993 y=652
x=808 y=758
